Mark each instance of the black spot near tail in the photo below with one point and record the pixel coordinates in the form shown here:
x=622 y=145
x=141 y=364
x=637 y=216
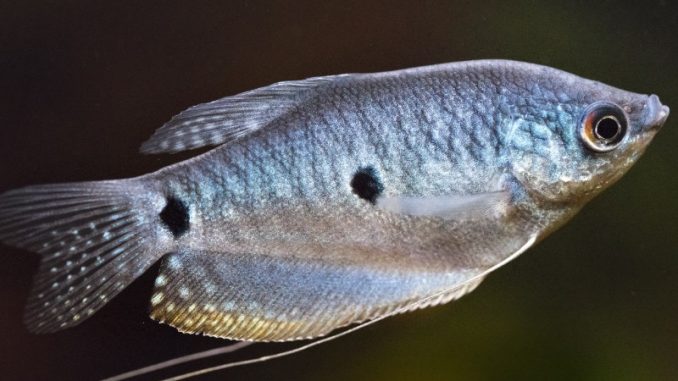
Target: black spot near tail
x=366 y=184
x=175 y=216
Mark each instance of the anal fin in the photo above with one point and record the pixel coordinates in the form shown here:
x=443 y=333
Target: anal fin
x=268 y=298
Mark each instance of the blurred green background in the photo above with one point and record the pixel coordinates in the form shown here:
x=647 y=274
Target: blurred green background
x=83 y=83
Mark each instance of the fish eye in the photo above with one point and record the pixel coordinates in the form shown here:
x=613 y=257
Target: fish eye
x=603 y=126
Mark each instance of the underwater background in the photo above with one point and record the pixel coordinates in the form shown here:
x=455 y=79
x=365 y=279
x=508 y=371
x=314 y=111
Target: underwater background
x=83 y=83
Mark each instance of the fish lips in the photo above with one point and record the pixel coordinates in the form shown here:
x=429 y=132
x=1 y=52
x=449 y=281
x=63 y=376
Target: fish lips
x=656 y=113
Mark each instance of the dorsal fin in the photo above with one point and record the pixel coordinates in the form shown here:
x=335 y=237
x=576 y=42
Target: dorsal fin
x=232 y=117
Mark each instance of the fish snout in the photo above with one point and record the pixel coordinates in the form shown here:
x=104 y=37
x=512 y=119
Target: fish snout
x=656 y=113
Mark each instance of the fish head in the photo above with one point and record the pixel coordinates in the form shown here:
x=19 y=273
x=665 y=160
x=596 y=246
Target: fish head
x=580 y=137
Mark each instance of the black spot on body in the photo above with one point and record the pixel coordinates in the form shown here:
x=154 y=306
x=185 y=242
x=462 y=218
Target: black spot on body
x=175 y=216
x=366 y=184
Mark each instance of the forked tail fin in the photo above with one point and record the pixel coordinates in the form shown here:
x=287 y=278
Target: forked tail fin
x=94 y=239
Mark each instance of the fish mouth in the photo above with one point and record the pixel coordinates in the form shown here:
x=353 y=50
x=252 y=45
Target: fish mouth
x=656 y=113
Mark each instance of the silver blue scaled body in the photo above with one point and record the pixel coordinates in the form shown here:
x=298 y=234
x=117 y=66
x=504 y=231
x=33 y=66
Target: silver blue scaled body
x=334 y=200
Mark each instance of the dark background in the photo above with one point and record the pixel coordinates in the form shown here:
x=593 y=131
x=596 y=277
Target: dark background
x=83 y=83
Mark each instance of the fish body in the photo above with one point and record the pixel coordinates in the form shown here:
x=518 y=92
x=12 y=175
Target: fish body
x=333 y=200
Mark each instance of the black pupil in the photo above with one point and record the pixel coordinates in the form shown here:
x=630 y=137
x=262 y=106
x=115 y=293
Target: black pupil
x=607 y=128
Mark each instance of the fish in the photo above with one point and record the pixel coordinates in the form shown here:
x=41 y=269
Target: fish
x=333 y=200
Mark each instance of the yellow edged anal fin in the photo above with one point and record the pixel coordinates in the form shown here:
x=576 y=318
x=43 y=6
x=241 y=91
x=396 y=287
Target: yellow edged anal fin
x=265 y=298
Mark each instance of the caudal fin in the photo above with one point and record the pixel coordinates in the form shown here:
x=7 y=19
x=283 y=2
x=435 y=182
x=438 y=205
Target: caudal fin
x=94 y=239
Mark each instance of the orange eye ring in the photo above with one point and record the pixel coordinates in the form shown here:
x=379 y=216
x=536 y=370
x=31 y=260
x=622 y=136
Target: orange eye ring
x=603 y=127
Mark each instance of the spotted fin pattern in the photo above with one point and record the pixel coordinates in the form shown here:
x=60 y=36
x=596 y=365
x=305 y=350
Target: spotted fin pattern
x=229 y=118
x=265 y=298
x=92 y=240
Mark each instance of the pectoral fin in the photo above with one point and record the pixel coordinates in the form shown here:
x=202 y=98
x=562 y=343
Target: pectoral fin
x=447 y=207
